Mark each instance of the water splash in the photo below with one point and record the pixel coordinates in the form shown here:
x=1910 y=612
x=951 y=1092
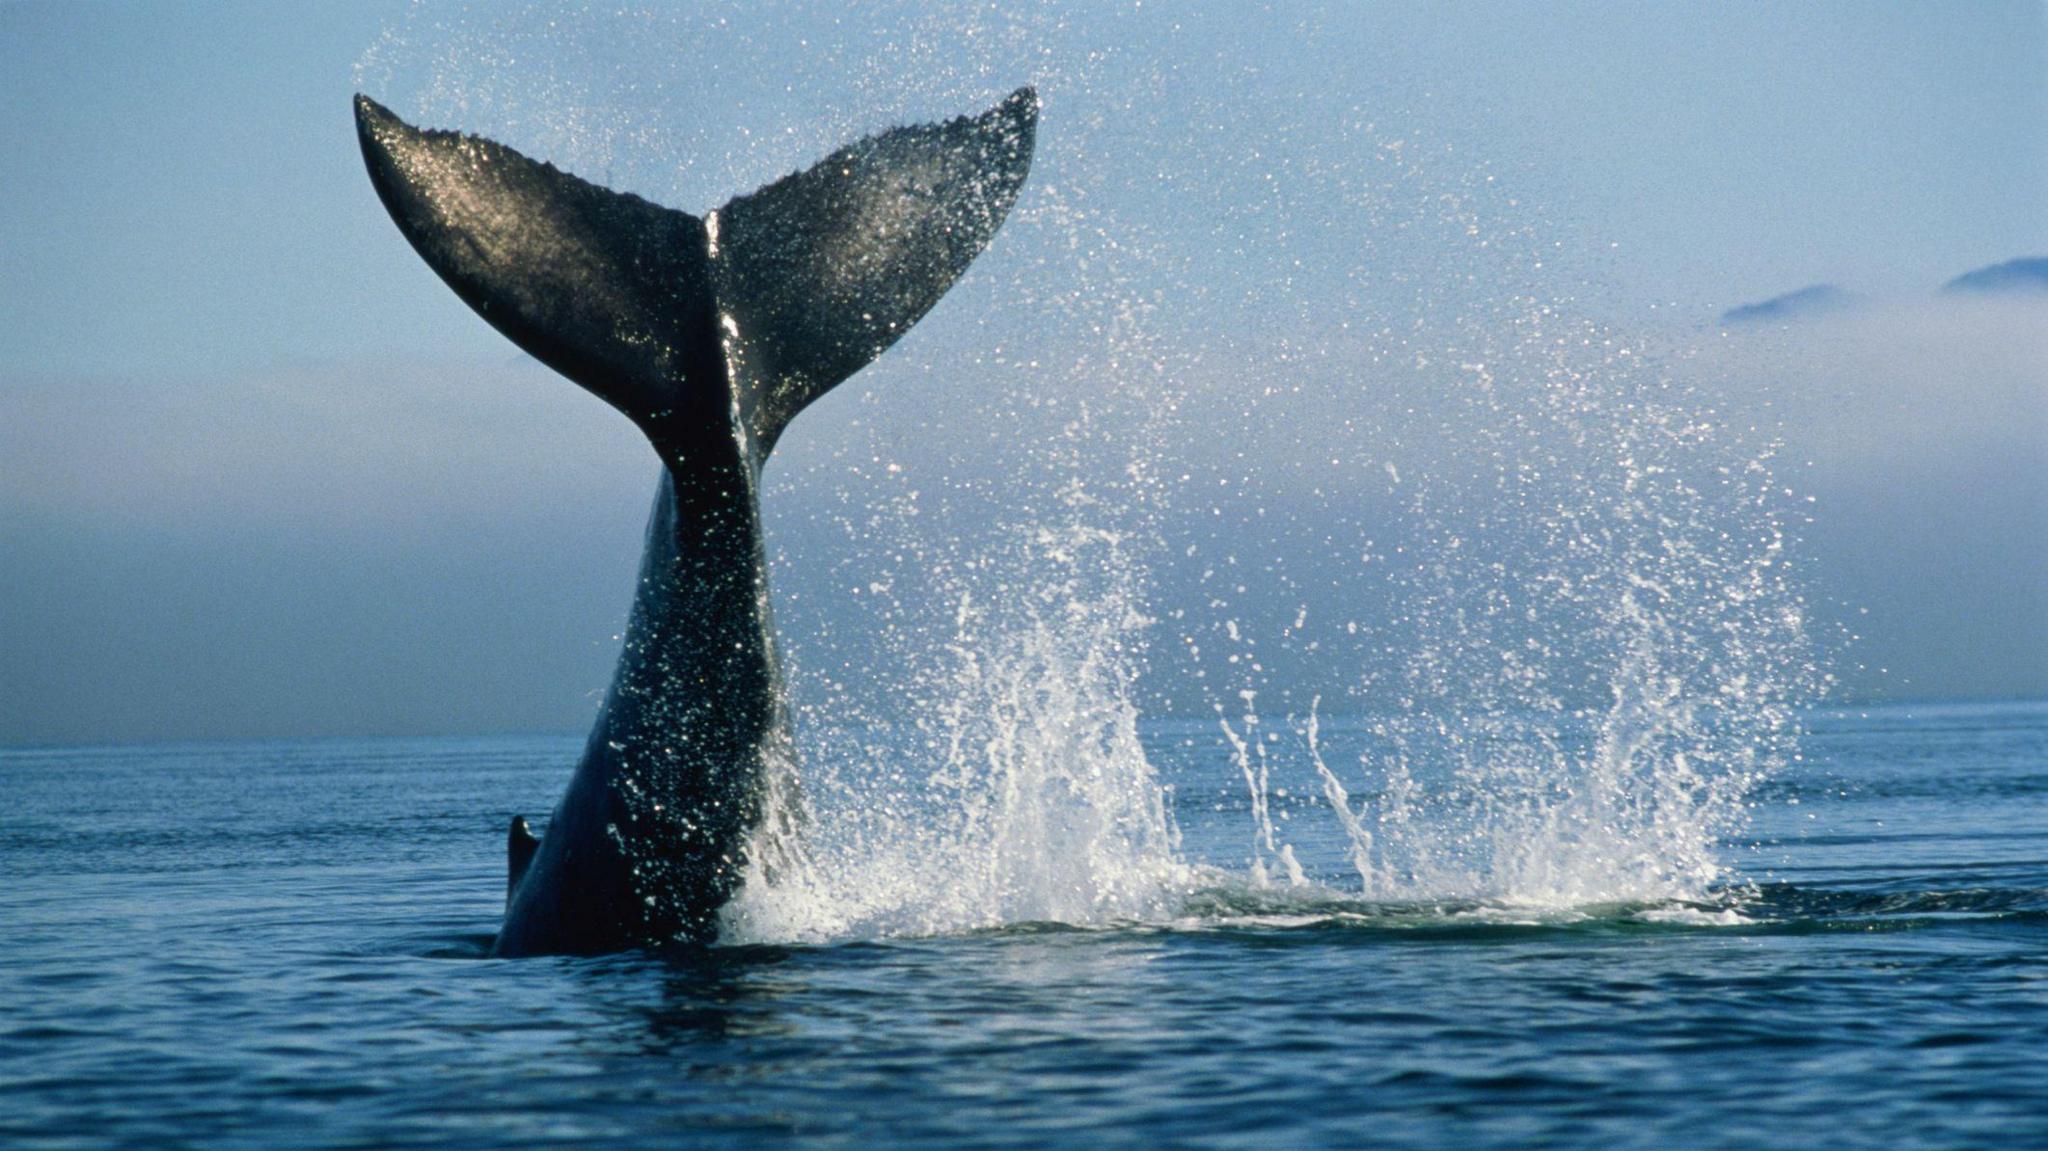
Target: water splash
x=1264 y=399
x=1248 y=751
x=1357 y=836
x=1601 y=643
x=1631 y=641
x=1011 y=787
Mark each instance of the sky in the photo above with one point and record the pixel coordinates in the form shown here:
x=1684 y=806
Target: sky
x=261 y=474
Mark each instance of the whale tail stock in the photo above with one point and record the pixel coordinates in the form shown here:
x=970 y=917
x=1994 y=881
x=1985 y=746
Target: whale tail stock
x=681 y=322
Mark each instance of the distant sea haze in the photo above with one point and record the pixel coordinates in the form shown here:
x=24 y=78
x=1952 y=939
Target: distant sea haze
x=2027 y=275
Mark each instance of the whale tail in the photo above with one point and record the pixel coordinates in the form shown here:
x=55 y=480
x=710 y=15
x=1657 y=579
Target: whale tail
x=759 y=307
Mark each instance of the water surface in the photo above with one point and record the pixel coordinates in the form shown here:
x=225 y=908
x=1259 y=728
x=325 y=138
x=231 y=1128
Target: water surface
x=265 y=944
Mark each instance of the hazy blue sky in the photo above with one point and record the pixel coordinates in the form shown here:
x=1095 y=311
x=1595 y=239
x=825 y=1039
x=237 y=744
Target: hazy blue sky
x=261 y=473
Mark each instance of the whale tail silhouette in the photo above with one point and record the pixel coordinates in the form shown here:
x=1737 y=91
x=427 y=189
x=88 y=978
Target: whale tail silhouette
x=711 y=333
x=681 y=322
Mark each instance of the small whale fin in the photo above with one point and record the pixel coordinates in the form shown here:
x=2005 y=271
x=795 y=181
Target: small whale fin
x=778 y=296
x=520 y=846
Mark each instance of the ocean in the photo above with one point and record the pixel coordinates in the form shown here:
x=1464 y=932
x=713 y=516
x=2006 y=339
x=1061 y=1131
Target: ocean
x=283 y=944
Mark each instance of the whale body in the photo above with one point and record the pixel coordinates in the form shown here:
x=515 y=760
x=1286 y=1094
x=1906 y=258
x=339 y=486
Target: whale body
x=710 y=333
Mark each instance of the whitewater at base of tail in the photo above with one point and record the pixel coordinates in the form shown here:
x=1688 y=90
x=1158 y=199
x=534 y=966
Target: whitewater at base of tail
x=252 y=944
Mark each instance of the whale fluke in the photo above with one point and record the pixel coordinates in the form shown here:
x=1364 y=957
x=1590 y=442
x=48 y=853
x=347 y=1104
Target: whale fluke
x=789 y=290
x=711 y=334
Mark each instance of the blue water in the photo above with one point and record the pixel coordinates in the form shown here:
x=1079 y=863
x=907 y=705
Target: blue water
x=268 y=944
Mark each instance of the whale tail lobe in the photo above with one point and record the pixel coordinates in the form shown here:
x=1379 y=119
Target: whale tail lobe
x=757 y=308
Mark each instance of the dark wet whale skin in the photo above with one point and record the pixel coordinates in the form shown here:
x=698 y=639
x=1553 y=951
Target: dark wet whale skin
x=711 y=334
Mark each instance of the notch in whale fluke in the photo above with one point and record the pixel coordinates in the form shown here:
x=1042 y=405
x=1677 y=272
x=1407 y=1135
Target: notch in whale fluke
x=762 y=305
